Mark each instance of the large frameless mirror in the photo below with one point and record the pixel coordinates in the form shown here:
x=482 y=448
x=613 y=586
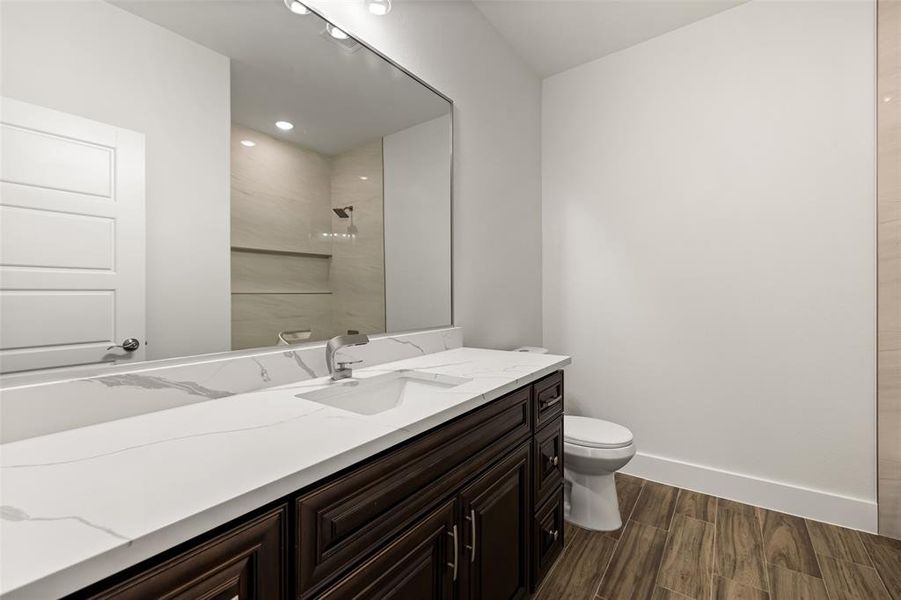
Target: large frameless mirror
x=188 y=177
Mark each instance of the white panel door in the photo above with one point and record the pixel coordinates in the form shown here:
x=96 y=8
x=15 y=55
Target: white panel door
x=71 y=239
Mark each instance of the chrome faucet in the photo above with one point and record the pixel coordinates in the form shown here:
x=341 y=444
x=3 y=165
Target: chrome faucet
x=342 y=371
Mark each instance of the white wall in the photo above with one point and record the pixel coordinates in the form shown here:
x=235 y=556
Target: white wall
x=708 y=234
x=97 y=61
x=497 y=247
x=417 y=226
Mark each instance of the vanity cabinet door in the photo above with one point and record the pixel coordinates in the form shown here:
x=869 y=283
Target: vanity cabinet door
x=246 y=563
x=495 y=521
x=417 y=566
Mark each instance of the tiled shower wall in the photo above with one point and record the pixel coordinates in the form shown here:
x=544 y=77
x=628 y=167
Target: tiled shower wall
x=294 y=266
x=357 y=272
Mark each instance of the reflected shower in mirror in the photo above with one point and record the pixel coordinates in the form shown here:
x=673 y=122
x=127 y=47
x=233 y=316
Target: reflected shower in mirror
x=211 y=176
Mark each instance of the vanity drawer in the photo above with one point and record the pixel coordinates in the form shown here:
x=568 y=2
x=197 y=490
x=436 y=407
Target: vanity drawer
x=547 y=535
x=246 y=562
x=547 y=460
x=548 y=395
x=355 y=515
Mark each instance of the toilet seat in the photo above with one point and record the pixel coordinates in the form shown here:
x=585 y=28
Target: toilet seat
x=595 y=433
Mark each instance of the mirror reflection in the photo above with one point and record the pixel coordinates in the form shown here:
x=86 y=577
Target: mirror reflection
x=185 y=177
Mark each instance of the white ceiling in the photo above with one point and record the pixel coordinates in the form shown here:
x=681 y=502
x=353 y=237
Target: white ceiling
x=283 y=68
x=555 y=35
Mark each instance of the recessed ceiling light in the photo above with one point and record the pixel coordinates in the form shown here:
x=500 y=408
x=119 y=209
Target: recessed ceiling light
x=364 y=178
x=338 y=34
x=297 y=7
x=379 y=8
x=248 y=143
x=284 y=125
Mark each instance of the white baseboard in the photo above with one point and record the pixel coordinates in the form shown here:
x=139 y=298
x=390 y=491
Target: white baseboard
x=854 y=513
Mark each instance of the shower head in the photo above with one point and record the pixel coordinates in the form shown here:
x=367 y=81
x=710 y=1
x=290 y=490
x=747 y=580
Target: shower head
x=343 y=213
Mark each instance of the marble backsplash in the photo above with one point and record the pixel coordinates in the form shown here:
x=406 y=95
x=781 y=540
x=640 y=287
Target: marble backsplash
x=34 y=409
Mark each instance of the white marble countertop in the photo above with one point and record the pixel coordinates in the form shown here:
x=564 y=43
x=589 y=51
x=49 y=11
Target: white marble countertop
x=83 y=504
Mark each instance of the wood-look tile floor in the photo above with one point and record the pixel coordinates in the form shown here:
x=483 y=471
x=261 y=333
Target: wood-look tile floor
x=677 y=545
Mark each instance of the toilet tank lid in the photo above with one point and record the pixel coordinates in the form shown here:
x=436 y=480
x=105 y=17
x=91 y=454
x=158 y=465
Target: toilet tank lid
x=595 y=433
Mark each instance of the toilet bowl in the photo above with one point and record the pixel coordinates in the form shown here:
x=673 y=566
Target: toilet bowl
x=593 y=451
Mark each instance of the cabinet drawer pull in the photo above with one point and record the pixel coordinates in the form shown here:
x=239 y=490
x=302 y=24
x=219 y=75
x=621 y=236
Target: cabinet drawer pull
x=456 y=552
x=548 y=403
x=472 y=523
x=553 y=460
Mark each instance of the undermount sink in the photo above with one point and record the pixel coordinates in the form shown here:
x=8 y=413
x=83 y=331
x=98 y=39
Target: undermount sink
x=373 y=395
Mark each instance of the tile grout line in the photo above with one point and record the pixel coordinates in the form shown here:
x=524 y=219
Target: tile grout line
x=672 y=517
x=712 y=553
x=716 y=516
x=766 y=563
x=872 y=562
x=866 y=549
x=816 y=556
x=669 y=533
x=626 y=522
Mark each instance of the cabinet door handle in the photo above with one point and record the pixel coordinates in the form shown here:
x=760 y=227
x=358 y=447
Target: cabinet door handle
x=472 y=524
x=551 y=402
x=554 y=533
x=456 y=552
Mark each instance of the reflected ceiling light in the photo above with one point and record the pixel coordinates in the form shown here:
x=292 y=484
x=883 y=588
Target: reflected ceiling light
x=379 y=8
x=336 y=33
x=297 y=7
x=248 y=143
x=284 y=125
x=363 y=178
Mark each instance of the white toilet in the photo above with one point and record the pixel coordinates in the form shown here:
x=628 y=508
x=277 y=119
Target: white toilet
x=593 y=451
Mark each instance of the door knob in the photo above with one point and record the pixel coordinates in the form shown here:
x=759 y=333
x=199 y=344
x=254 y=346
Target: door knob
x=129 y=345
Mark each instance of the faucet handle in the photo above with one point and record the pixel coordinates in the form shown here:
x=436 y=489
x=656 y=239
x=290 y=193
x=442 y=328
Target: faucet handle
x=342 y=363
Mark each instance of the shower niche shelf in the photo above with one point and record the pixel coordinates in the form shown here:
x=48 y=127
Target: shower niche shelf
x=277 y=252
x=279 y=292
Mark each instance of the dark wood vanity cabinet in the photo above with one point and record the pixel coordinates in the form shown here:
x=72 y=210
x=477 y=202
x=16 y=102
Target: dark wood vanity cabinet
x=547 y=535
x=344 y=521
x=244 y=563
x=501 y=466
x=476 y=543
x=419 y=564
x=472 y=509
x=496 y=533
